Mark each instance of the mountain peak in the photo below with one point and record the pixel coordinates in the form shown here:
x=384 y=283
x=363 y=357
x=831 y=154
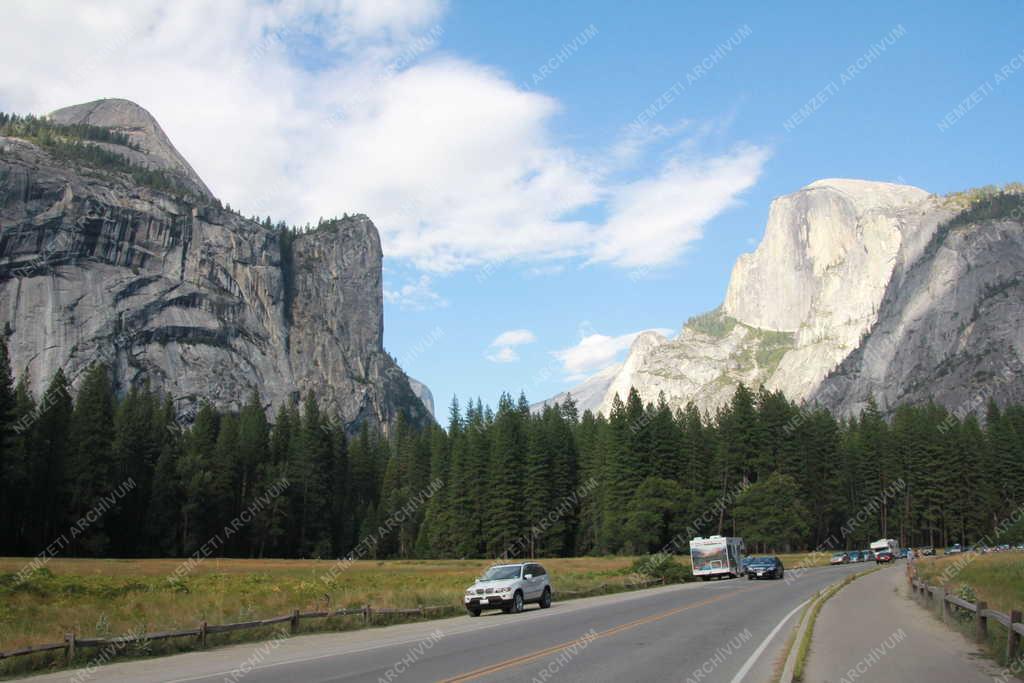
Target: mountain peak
x=870 y=193
x=155 y=149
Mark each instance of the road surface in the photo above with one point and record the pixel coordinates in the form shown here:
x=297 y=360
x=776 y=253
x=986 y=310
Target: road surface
x=871 y=632
x=727 y=631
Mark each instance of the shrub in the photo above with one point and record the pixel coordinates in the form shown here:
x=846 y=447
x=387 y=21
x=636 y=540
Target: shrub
x=661 y=566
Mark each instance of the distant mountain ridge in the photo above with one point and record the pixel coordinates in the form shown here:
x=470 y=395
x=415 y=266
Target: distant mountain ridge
x=845 y=268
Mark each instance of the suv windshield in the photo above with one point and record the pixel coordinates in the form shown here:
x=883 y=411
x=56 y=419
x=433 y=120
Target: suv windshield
x=506 y=571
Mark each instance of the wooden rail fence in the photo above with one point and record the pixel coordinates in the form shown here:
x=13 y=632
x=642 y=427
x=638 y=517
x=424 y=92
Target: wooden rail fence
x=939 y=598
x=117 y=643
x=72 y=643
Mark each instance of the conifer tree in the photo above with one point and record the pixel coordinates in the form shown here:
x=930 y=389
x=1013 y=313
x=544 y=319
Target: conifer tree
x=90 y=475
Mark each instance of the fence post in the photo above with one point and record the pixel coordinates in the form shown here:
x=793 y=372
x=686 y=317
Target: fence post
x=981 y=623
x=1012 y=638
x=945 y=604
x=295 y=621
x=69 y=647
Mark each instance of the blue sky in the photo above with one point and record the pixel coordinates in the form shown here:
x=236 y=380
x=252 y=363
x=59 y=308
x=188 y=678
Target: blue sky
x=881 y=125
x=534 y=219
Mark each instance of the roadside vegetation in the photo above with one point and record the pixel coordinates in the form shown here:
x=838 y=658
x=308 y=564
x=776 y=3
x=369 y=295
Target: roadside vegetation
x=996 y=578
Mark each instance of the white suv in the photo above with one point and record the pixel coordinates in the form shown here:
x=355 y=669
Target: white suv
x=509 y=587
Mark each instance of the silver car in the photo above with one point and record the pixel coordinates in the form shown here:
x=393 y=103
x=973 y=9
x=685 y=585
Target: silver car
x=509 y=587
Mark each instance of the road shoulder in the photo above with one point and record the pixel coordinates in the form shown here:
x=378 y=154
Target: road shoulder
x=872 y=631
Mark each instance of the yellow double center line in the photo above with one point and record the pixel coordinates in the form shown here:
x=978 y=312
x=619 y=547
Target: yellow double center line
x=517 y=661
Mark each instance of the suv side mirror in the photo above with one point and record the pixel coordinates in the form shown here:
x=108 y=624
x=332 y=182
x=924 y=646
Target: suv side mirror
x=528 y=576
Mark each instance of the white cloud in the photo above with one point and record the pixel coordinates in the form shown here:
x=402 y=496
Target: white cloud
x=307 y=108
x=417 y=295
x=504 y=345
x=653 y=219
x=505 y=354
x=595 y=352
x=514 y=338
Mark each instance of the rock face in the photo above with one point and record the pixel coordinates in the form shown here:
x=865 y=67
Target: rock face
x=854 y=278
x=951 y=325
x=424 y=394
x=589 y=394
x=175 y=291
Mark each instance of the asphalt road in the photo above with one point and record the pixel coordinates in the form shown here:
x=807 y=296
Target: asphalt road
x=727 y=631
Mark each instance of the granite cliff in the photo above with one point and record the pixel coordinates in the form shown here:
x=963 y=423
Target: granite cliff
x=129 y=259
x=858 y=288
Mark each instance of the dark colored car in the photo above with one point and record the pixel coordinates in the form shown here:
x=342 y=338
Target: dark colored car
x=883 y=556
x=765 y=568
x=903 y=553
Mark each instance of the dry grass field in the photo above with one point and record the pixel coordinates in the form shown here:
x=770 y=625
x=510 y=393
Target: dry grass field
x=97 y=598
x=997 y=578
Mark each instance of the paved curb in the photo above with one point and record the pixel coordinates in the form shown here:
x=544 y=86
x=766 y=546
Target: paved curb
x=806 y=621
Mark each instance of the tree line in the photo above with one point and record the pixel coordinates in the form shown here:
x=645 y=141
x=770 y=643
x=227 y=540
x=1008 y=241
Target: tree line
x=120 y=477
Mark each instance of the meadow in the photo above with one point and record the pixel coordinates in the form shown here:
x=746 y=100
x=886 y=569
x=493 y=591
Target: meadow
x=106 y=597
x=997 y=578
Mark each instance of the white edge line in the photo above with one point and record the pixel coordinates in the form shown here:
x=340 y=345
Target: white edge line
x=745 y=669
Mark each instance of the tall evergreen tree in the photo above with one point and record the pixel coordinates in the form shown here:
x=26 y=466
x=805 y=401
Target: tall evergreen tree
x=90 y=474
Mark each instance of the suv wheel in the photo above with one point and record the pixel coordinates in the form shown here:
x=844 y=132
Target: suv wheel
x=517 y=602
x=474 y=612
x=545 y=599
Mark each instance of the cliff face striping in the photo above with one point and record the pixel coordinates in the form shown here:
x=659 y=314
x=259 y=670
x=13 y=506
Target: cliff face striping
x=180 y=293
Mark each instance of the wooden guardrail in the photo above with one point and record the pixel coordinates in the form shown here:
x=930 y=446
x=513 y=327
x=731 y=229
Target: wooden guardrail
x=945 y=602
x=71 y=642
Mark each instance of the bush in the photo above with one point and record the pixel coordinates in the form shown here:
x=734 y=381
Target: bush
x=661 y=566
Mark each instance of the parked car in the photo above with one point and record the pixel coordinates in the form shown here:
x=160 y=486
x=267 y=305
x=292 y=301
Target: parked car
x=884 y=556
x=855 y=556
x=954 y=549
x=928 y=550
x=904 y=552
x=839 y=558
x=867 y=556
x=509 y=587
x=765 y=568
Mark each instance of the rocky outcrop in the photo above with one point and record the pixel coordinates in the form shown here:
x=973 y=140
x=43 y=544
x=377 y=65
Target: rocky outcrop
x=860 y=283
x=173 y=290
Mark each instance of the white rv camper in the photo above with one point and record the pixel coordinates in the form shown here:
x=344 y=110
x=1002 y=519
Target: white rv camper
x=886 y=545
x=717 y=556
